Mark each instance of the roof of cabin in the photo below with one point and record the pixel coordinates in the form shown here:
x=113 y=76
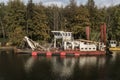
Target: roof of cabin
x=60 y=32
x=83 y=40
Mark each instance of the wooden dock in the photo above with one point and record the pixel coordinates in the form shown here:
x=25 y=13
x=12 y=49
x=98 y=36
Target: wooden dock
x=7 y=50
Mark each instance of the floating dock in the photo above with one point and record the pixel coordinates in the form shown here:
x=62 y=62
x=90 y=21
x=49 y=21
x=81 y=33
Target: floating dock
x=8 y=50
x=114 y=49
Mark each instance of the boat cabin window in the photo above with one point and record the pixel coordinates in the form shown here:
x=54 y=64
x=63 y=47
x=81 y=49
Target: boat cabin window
x=113 y=42
x=69 y=34
x=85 y=42
x=93 y=48
x=63 y=34
x=66 y=34
x=57 y=34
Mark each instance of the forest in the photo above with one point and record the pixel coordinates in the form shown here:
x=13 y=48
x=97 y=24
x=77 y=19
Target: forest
x=36 y=21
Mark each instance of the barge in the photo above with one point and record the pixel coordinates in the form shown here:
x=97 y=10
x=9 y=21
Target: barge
x=64 y=44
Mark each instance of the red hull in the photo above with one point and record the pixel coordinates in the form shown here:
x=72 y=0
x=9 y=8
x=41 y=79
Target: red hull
x=61 y=53
x=65 y=53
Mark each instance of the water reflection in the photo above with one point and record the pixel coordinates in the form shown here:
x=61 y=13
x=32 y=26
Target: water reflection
x=11 y=67
x=63 y=66
x=91 y=61
x=25 y=67
x=29 y=64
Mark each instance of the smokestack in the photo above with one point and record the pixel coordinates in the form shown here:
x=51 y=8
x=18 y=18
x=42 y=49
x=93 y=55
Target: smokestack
x=88 y=32
x=101 y=32
x=104 y=33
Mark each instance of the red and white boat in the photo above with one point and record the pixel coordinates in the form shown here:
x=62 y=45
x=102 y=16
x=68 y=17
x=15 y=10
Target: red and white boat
x=65 y=44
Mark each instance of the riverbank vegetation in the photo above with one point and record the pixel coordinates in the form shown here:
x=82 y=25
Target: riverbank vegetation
x=37 y=21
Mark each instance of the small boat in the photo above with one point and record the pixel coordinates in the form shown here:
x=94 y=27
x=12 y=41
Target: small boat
x=114 y=45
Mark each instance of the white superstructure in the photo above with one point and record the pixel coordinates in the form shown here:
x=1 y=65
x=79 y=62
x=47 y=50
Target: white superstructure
x=68 y=42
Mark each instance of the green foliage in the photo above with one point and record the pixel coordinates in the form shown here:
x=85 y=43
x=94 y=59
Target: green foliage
x=14 y=20
x=116 y=23
x=16 y=36
x=37 y=21
x=37 y=24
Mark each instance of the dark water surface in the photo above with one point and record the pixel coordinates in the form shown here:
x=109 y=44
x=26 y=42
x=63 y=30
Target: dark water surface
x=26 y=67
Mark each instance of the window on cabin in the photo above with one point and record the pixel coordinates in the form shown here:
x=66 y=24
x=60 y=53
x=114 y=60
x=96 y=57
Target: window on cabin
x=114 y=42
x=81 y=48
x=63 y=34
x=55 y=34
x=58 y=34
x=66 y=34
x=85 y=42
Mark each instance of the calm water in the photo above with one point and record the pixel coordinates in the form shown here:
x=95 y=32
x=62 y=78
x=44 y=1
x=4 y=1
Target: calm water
x=26 y=67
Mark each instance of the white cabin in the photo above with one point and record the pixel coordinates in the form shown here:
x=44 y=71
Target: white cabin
x=87 y=46
x=113 y=43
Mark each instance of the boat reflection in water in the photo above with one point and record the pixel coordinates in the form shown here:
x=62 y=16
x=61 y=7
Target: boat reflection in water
x=91 y=61
x=63 y=68
x=29 y=64
x=26 y=67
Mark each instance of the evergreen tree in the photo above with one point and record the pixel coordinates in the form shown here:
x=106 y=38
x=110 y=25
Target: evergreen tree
x=14 y=19
x=2 y=14
x=92 y=11
x=116 y=23
x=40 y=24
x=29 y=16
x=37 y=21
x=81 y=20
